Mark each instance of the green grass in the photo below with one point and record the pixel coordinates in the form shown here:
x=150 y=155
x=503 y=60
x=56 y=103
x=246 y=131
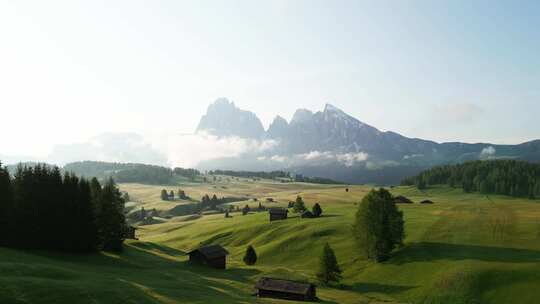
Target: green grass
x=465 y=248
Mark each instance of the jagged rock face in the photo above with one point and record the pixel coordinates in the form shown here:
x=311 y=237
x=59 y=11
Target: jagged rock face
x=223 y=118
x=278 y=128
x=334 y=132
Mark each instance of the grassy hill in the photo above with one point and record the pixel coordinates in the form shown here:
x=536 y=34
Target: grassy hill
x=465 y=248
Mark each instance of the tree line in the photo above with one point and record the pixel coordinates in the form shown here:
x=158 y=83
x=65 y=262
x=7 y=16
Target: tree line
x=129 y=172
x=251 y=174
x=41 y=208
x=507 y=177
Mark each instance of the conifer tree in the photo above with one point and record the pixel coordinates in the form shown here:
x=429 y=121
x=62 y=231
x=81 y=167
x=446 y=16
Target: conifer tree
x=299 y=205
x=329 y=270
x=379 y=225
x=317 y=210
x=111 y=219
x=250 y=258
x=164 y=195
x=6 y=204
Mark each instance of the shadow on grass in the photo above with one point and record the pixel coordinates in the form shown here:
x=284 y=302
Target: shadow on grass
x=430 y=251
x=157 y=247
x=378 y=288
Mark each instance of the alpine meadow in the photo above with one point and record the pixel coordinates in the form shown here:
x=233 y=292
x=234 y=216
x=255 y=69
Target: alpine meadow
x=366 y=152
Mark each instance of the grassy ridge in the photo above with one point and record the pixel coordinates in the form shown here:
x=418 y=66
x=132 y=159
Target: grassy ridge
x=466 y=248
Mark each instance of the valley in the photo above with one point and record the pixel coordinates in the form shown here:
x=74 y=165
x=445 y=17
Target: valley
x=464 y=248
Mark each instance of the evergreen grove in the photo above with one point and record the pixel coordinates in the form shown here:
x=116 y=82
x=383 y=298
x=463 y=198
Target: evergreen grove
x=40 y=208
x=507 y=177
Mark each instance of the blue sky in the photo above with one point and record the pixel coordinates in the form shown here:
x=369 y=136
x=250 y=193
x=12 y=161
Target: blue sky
x=442 y=70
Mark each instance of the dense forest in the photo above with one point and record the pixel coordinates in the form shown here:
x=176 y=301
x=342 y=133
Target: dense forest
x=252 y=174
x=41 y=208
x=275 y=175
x=129 y=172
x=508 y=177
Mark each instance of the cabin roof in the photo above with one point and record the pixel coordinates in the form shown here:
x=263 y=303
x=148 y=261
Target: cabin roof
x=280 y=285
x=278 y=210
x=211 y=251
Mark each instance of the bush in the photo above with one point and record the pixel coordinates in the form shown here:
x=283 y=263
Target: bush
x=250 y=258
x=299 y=205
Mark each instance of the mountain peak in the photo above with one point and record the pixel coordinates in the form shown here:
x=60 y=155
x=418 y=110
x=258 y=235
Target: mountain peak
x=331 y=108
x=223 y=118
x=302 y=115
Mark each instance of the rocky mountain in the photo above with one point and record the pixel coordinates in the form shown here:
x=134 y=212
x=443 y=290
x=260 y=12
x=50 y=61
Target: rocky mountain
x=223 y=118
x=333 y=144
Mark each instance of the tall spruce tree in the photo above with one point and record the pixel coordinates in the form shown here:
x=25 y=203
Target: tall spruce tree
x=111 y=218
x=379 y=225
x=6 y=204
x=329 y=270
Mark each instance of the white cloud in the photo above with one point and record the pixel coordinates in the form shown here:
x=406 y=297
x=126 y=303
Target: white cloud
x=278 y=158
x=488 y=152
x=348 y=159
x=188 y=150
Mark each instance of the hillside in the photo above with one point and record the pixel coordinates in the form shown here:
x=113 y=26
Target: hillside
x=465 y=248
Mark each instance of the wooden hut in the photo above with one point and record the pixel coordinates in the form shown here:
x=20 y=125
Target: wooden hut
x=130 y=233
x=285 y=289
x=426 y=202
x=278 y=214
x=214 y=256
x=400 y=199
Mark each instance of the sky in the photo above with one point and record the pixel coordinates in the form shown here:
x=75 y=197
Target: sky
x=441 y=70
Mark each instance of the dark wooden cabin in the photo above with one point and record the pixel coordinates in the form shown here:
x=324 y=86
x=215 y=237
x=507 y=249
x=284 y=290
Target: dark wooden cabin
x=130 y=233
x=285 y=289
x=278 y=214
x=214 y=256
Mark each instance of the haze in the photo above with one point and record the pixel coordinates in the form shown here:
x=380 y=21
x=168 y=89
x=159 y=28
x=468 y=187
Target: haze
x=455 y=71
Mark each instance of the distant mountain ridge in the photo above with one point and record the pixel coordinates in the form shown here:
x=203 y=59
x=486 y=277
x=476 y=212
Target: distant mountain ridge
x=332 y=141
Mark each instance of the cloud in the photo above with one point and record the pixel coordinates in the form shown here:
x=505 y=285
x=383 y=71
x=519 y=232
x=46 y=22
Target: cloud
x=188 y=150
x=348 y=159
x=110 y=147
x=487 y=152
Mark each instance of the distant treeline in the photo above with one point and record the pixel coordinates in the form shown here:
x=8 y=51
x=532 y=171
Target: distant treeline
x=508 y=177
x=315 y=180
x=41 y=208
x=129 y=172
x=274 y=175
x=252 y=174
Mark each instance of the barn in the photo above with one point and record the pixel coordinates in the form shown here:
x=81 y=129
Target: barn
x=285 y=289
x=214 y=256
x=278 y=214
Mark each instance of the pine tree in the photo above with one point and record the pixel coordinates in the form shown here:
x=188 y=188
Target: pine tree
x=171 y=195
x=250 y=258
x=164 y=195
x=329 y=270
x=111 y=219
x=6 y=204
x=316 y=210
x=299 y=205
x=379 y=225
